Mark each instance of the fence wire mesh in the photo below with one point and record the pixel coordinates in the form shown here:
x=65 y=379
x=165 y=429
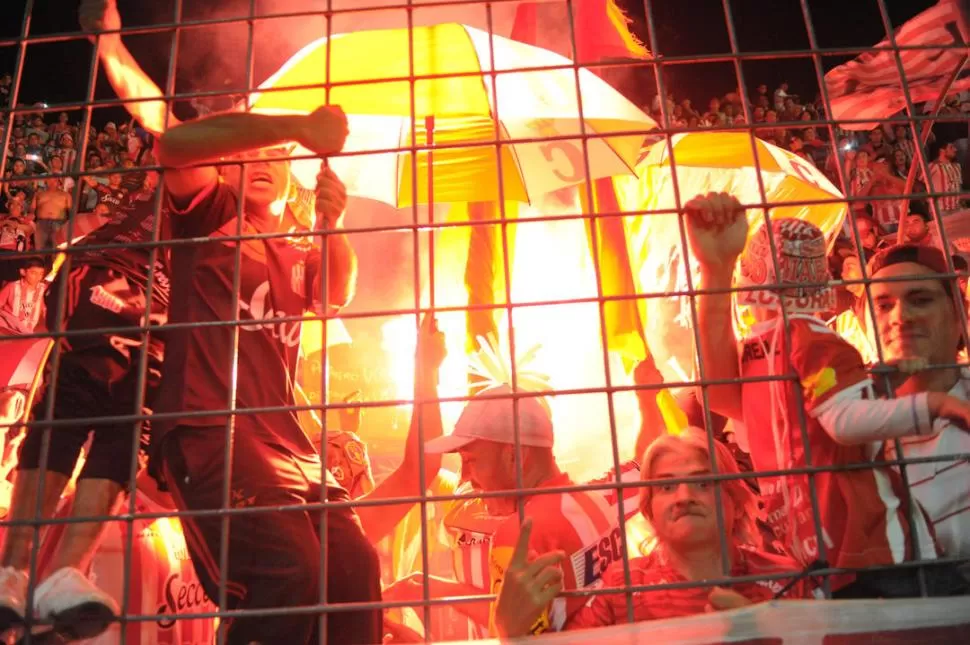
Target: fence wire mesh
x=532 y=203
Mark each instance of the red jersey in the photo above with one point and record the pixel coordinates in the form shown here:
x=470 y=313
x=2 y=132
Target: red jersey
x=610 y=609
x=583 y=524
x=863 y=512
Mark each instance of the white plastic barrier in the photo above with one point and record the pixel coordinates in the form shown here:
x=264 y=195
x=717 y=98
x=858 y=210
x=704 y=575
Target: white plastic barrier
x=803 y=622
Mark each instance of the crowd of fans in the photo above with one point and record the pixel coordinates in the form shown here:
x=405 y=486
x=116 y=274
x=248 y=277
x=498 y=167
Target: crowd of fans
x=572 y=540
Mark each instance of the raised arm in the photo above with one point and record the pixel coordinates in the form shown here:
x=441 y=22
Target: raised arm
x=717 y=229
x=127 y=78
x=379 y=521
x=185 y=148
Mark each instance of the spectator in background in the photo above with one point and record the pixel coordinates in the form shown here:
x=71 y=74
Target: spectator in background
x=62 y=126
x=860 y=185
x=38 y=127
x=917 y=230
x=57 y=168
x=67 y=152
x=6 y=82
x=886 y=212
x=51 y=207
x=877 y=146
x=112 y=194
x=16 y=235
x=797 y=146
x=18 y=184
x=946 y=176
x=22 y=301
x=904 y=143
x=782 y=95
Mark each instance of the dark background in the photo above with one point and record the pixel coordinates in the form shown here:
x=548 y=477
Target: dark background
x=213 y=58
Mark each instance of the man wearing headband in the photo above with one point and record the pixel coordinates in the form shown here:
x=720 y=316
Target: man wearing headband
x=920 y=327
x=865 y=518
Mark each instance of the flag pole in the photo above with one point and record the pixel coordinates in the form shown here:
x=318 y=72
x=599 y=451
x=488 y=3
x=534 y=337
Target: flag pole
x=924 y=136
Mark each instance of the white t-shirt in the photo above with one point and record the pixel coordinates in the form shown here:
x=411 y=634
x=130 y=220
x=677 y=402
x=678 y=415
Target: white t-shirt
x=943 y=487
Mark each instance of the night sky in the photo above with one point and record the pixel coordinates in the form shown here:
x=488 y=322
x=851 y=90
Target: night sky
x=210 y=59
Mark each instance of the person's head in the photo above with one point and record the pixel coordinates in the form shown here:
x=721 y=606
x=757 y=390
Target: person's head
x=19 y=167
x=916 y=317
x=57 y=164
x=33 y=139
x=764 y=102
x=762 y=89
x=33 y=271
x=484 y=438
x=771 y=116
x=803 y=114
x=678 y=111
x=899 y=158
x=62 y=118
x=948 y=152
x=266 y=175
x=758 y=114
x=20 y=150
x=110 y=129
x=862 y=159
x=151 y=180
x=94 y=161
x=714 y=104
x=852 y=270
x=800 y=266
x=795 y=143
x=809 y=134
x=867 y=232
x=875 y=136
x=684 y=515
x=67 y=141
x=15 y=208
x=784 y=85
x=729 y=110
x=693 y=122
x=18 y=133
x=901 y=132
x=916 y=228
x=6 y=79
x=114 y=179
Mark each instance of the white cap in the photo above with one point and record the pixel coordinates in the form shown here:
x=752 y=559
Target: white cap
x=491 y=419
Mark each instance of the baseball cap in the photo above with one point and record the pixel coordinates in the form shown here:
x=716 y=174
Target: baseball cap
x=928 y=256
x=802 y=285
x=492 y=419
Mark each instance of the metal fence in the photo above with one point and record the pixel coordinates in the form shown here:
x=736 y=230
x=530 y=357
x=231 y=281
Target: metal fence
x=522 y=310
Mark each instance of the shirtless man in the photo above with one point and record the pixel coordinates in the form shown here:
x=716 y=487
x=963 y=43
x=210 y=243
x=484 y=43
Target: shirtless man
x=51 y=207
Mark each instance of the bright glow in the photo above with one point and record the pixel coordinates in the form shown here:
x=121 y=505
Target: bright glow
x=552 y=262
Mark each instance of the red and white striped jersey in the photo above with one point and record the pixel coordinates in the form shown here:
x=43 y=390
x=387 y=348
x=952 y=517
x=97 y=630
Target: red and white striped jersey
x=585 y=525
x=162 y=580
x=863 y=512
x=941 y=487
x=946 y=178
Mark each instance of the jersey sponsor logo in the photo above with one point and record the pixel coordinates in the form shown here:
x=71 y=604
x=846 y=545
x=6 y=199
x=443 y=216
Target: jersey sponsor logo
x=287 y=332
x=591 y=563
x=753 y=352
x=182 y=596
x=466 y=539
x=818 y=384
x=100 y=297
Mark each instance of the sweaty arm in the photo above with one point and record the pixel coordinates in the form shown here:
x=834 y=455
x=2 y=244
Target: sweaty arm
x=130 y=82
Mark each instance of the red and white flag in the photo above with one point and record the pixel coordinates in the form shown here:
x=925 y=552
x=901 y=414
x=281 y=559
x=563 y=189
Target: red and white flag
x=870 y=87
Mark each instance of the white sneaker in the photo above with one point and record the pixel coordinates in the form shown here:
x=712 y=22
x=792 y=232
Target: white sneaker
x=13 y=597
x=74 y=605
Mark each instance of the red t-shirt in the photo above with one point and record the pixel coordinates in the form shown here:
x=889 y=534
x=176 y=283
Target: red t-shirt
x=610 y=609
